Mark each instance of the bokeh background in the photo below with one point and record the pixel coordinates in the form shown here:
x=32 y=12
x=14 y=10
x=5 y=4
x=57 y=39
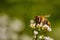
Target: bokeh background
x=16 y=14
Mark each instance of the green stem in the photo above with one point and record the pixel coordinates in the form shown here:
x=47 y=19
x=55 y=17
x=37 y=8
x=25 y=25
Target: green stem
x=35 y=38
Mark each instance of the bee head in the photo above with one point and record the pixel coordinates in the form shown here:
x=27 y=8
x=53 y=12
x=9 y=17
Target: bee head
x=37 y=19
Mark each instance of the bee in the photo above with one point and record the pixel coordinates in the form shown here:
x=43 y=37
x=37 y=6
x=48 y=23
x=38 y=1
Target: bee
x=42 y=19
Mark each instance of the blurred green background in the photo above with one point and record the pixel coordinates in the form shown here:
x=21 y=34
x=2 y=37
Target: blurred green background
x=27 y=9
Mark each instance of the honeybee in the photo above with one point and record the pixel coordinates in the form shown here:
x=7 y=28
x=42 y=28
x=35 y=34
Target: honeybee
x=42 y=19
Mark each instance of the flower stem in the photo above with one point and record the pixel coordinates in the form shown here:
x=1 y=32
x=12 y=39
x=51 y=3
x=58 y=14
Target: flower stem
x=35 y=37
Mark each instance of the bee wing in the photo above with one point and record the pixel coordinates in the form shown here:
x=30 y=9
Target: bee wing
x=49 y=23
x=47 y=15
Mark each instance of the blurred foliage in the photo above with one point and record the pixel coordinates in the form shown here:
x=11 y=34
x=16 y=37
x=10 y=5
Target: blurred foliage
x=27 y=9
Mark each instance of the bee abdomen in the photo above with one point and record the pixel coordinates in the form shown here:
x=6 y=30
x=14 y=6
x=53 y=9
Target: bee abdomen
x=46 y=22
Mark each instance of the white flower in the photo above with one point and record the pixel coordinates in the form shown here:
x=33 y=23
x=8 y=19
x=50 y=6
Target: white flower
x=40 y=37
x=31 y=21
x=41 y=24
x=45 y=38
x=38 y=26
x=48 y=38
x=35 y=32
x=47 y=27
x=32 y=25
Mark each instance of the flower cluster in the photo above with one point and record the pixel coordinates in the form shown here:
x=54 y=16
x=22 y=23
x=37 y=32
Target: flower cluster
x=40 y=23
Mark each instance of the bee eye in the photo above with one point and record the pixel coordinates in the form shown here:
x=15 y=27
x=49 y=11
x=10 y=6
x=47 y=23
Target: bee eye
x=38 y=18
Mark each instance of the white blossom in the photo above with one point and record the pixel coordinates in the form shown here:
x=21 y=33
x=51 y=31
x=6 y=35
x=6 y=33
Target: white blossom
x=47 y=27
x=32 y=25
x=45 y=37
x=39 y=25
x=48 y=38
x=31 y=21
x=35 y=32
x=40 y=37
